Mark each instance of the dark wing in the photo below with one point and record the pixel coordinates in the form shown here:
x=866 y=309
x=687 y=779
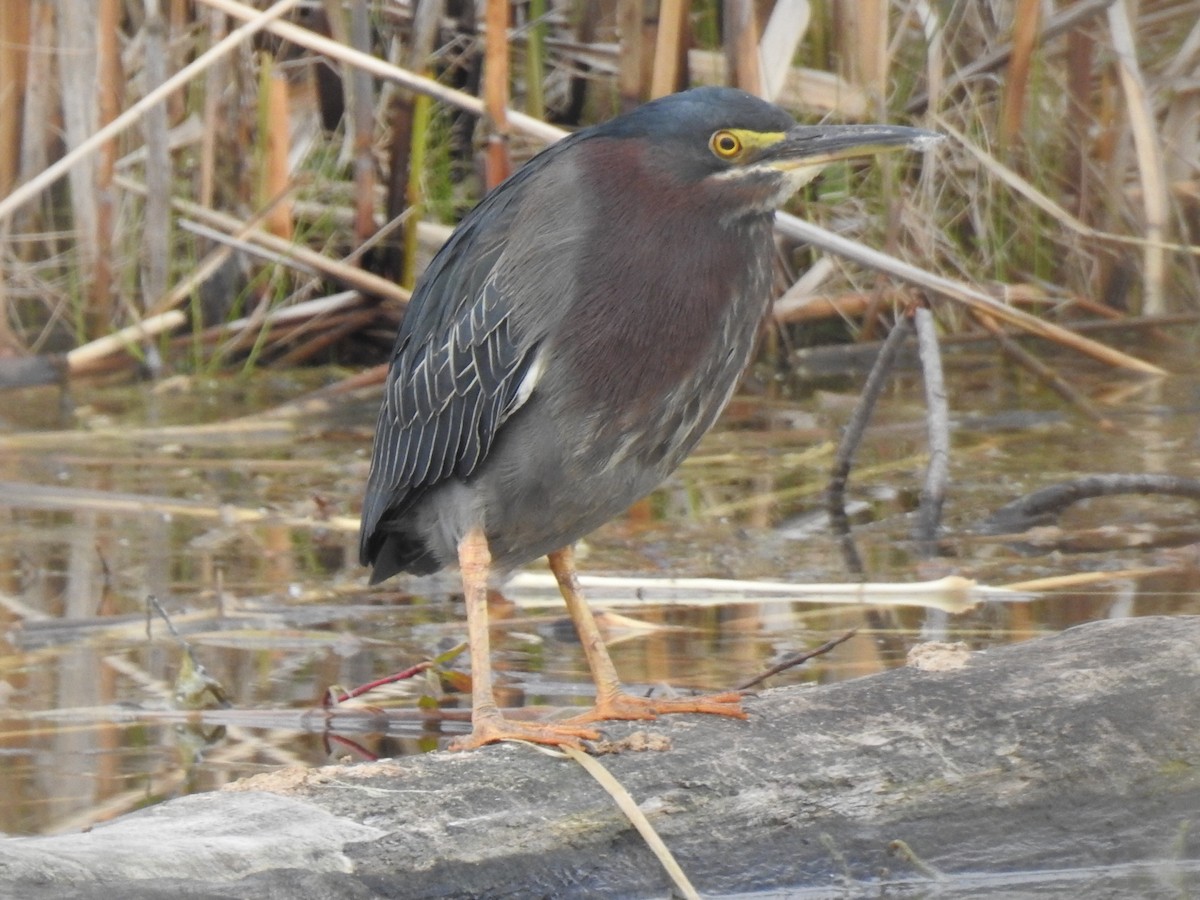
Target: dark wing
x=456 y=370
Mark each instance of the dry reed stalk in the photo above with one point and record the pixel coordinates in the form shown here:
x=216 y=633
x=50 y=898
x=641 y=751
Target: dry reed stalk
x=959 y=291
x=803 y=89
x=741 y=45
x=402 y=189
x=274 y=257
x=1181 y=136
x=422 y=115
x=412 y=113
x=156 y=231
x=10 y=343
x=862 y=37
x=109 y=79
x=261 y=336
x=215 y=76
x=84 y=358
x=1081 y=48
x=105 y=458
x=362 y=99
x=781 y=36
x=670 y=51
x=37 y=121
x=852 y=435
x=535 y=59
x=15 y=36
x=305 y=37
x=1075 y=580
x=631 y=62
x=931 y=27
x=319 y=308
x=1026 y=22
x=1142 y=121
x=309 y=39
x=266 y=329
x=1179 y=125
x=1022 y=186
x=843 y=306
x=925 y=240
x=335 y=24
x=498 y=165
x=181 y=20
x=274 y=177
x=70 y=162
x=77 y=71
x=330 y=334
x=953 y=593
x=1097 y=309
x=633 y=812
x=202 y=270
x=1058 y=24
x=352 y=276
x=238 y=432
x=937 y=239
x=31 y=496
x=1153 y=324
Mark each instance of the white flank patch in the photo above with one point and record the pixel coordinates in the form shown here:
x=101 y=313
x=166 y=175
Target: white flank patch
x=525 y=388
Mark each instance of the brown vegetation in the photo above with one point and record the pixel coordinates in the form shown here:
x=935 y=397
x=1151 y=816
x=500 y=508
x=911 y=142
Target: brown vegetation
x=178 y=173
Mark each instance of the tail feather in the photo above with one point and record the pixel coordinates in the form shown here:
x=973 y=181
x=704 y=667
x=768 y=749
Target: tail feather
x=398 y=553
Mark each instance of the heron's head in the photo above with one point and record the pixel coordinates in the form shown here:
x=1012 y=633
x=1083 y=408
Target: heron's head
x=747 y=152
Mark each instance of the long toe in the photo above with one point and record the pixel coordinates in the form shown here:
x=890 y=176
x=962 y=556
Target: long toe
x=626 y=707
x=491 y=730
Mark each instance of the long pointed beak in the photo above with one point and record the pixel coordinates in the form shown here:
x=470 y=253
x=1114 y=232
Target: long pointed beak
x=818 y=145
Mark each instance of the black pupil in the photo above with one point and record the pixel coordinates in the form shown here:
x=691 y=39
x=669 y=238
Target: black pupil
x=728 y=144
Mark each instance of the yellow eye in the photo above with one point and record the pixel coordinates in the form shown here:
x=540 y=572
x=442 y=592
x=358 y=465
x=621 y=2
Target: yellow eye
x=725 y=144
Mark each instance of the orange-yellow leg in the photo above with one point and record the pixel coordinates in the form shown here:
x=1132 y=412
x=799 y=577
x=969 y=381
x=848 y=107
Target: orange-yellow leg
x=487 y=723
x=611 y=701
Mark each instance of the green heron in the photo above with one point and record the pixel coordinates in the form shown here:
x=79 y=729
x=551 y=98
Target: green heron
x=578 y=333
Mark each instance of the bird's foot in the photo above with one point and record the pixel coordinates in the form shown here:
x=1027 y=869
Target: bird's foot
x=492 y=728
x=622 y=706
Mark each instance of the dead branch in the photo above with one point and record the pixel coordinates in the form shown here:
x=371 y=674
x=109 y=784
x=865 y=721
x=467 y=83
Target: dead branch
x=1045 y=505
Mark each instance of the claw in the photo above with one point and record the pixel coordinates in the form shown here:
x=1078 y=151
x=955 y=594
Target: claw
x=626 y=707
x=489 y=729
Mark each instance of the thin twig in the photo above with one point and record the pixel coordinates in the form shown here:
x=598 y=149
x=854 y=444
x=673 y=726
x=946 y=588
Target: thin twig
x=792 y=661
x=852 y=437
x=334 y=697
x=1043 y=506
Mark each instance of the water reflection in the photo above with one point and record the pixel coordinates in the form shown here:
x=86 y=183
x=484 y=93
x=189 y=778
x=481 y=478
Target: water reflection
x=243 y=525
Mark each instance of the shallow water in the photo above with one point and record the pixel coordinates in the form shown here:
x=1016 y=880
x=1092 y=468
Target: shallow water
x=238 y=515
